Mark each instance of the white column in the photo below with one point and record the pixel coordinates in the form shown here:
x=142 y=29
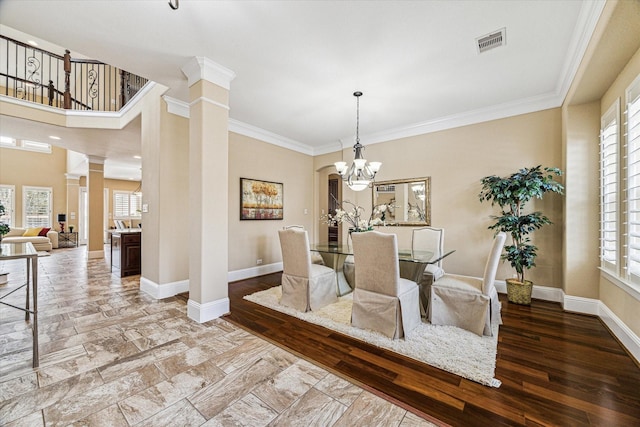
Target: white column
x=209 y=85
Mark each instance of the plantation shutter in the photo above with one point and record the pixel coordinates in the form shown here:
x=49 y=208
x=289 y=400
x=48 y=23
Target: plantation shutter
x=633 y=180
x=135 y=203
x=609 y=189
x=37 y=207
x=127 y=205
x=120 y=205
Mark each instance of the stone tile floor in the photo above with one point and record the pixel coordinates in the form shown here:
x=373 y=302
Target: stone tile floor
x=113 y=356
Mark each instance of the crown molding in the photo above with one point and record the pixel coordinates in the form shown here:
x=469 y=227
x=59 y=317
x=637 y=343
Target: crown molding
x=96 y=160
x=495 y=112
x=590 y=13
x=202 y=68
x=176 y=106
x=269 y=137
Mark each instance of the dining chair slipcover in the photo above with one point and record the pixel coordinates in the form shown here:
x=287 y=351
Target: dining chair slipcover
x=429 y=239
x=316 y=258
x=305 y=286
x=468 y=302
x=382 y=300
x=349 y=270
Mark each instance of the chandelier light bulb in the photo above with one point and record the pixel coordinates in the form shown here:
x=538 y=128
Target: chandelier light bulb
x=360 y=174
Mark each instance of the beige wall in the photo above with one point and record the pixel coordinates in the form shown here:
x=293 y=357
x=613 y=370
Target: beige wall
x=28 y=168
x=258 y=239
x=581 y=146
x=456 y=160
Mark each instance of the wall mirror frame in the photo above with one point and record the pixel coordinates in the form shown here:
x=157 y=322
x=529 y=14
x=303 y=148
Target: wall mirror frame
x=408 y=201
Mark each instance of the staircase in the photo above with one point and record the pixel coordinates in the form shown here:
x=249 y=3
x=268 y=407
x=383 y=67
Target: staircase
x=36 y=75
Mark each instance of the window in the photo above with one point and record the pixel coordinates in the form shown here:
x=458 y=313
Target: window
x=127 y=205
x=609 y=142
x=633 y=180
x=620 y=188
x=37 y=206
x=8 y=200
x=41 y=147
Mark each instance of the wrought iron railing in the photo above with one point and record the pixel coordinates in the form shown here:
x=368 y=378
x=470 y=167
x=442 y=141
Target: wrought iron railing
x=36 y=75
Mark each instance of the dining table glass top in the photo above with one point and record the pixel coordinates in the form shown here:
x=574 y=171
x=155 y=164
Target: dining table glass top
x=406 y=255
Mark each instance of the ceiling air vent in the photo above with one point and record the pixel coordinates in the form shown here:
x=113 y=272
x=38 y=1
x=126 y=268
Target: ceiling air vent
x=490 y=41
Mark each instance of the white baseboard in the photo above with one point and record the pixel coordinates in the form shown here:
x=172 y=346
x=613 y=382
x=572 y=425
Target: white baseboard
x=595 y=307
x=545 y=293
x=588 y=306
x=581 y=305
x=204 y=312
x=164 y=290
x=625 y=335
x=248 y=273
x=95 y=254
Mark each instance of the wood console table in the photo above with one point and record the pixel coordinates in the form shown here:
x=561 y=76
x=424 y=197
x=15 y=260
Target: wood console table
x=126 y=251
x=68 y=239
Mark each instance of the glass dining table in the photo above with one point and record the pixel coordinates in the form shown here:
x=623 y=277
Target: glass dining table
x=412 y=262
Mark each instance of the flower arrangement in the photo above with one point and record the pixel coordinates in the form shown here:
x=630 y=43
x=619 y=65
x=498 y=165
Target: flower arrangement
x=353 y=215
x=416 y=211
x=4 y=228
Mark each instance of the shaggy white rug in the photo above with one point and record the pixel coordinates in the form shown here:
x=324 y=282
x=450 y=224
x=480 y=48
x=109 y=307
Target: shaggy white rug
x=446 y=347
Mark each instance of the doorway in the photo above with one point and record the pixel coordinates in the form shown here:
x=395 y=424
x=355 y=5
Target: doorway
x=334 y=189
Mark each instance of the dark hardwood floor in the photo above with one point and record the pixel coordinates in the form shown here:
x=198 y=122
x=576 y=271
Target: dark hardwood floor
x=556 y=368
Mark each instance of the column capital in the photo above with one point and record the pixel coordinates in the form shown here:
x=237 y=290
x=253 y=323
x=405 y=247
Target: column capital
x=201 y=68
x=96 y=160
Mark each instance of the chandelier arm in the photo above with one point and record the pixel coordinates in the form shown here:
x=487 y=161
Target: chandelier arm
x=361 y=174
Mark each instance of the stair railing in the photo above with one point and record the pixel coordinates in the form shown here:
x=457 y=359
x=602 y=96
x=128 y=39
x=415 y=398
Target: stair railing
x=86 y=84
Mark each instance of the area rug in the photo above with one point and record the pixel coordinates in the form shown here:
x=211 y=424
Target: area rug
x=446 y=347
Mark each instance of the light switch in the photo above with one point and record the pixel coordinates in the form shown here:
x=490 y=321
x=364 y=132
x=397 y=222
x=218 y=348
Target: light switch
x=145 y=207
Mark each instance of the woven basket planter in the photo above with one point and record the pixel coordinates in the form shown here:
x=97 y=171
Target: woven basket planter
x=518 y=292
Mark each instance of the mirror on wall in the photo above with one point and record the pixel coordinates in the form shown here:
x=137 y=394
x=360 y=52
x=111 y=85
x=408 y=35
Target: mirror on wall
x=403 y=201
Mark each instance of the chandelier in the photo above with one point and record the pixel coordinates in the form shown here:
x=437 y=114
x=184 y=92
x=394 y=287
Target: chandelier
x=361 y=173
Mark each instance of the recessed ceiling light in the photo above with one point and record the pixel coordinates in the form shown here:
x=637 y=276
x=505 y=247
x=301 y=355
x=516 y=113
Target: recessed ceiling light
x=137 y=157
x=57 y=138
x=32 y=43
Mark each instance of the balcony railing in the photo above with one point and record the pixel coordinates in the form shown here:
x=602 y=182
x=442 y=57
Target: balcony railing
x=36 y=75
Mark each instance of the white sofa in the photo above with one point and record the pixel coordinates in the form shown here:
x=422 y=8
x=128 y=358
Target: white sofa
x=40 y=243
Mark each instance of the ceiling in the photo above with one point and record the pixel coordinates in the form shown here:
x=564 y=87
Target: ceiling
x=297 y=63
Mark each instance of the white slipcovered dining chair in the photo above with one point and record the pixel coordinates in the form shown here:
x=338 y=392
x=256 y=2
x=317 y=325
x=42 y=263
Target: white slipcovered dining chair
x=316 y=258
x=305 y=286
x=382 y=300
x=429 y=239
x=468 y=302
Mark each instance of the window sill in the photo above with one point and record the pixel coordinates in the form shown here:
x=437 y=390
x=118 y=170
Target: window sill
x=630 y=288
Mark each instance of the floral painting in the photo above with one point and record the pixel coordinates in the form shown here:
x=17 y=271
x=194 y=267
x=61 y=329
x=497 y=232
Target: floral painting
x=260 y=199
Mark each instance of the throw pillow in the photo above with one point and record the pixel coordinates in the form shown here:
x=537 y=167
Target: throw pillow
x=44 y=231
x=32 y=231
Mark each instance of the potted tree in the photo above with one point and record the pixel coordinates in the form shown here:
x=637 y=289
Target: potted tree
x=512 y=193
x=4 y=228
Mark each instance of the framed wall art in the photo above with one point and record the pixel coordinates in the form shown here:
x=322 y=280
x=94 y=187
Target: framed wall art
x=260 y=199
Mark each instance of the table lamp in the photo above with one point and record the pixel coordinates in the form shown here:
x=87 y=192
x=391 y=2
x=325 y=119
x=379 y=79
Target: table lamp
x=62 y=218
